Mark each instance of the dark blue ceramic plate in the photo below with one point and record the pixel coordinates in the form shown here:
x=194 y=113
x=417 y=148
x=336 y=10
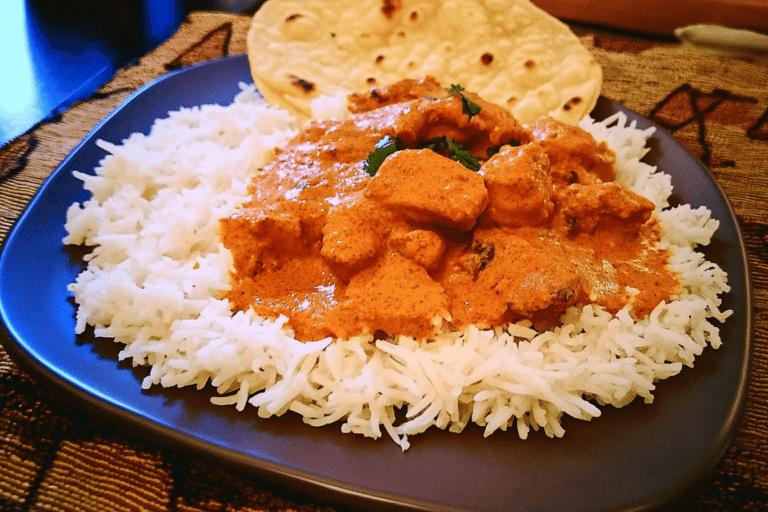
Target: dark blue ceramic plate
x=636 y=458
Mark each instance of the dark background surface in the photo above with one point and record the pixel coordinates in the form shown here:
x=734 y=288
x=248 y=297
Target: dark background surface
x=55 y=53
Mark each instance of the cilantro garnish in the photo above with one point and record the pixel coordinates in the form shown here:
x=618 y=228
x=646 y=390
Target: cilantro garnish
x=455 y=151
x=467 y=106
x=492 y=150
x=385 y=147
x=443 y=145
x=438 y=145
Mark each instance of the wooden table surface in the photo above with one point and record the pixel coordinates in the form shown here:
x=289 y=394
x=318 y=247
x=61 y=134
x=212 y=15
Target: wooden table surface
x=661 y=17
x=53 y=456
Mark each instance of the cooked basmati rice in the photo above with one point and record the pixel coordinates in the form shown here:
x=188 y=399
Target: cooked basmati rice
x=157 y=269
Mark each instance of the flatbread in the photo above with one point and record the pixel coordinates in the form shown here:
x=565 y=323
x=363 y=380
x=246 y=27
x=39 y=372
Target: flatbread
x=509 y=52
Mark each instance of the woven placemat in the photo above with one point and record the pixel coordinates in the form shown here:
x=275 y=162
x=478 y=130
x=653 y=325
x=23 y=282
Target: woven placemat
x=54 y=456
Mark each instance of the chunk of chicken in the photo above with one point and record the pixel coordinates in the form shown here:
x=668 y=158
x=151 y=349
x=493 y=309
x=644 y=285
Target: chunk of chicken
x=256 y=237
x=574 y=155
x=533 y=276
x=519 y=186
x=424 y=246
x=440 y=114
x=446 y=117
x=404 y=90
x=353 y=235
x=610 y=205
x=396 y=295
x=425 y=187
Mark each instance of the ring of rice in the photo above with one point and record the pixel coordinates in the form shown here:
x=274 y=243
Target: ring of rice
x=157 y=269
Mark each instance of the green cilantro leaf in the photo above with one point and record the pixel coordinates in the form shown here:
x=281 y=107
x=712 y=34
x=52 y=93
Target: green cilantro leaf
x=467 y=106
x=454 y=151
x=441 y=145
x=385 y=147
x=438 y=145
x=457 y=152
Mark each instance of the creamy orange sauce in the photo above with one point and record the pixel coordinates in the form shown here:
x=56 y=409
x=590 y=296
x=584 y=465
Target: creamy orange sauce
x=540 y=227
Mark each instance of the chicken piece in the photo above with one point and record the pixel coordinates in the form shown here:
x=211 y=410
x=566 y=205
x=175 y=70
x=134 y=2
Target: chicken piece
x=611 y=205
x=575 y=156
x=404 y=90
x=423 y=246
x=424 y=111
x=258 y=238
x=519 y=187
x=424 y=187
x=533 y=276
x=482 y=134
x=396 y=295
x=353 y=236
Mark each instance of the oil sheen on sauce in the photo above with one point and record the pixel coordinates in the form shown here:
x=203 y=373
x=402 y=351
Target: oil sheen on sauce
x=426 y=241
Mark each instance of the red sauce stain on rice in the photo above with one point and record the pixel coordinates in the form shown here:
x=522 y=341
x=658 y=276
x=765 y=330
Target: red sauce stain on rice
x=541 y=226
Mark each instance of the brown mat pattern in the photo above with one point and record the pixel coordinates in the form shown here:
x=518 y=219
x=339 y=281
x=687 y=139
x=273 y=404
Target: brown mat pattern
x=54 y=456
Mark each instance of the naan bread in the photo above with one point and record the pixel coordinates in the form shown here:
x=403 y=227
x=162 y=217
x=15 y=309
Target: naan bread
x=508 y=51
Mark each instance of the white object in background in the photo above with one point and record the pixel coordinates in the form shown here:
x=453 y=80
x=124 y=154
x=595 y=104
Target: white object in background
x=724 y=40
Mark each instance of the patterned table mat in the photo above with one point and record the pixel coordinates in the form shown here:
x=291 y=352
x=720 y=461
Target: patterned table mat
x=54 y=456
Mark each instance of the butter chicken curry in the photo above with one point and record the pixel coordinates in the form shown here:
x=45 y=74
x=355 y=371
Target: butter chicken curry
x=342 y=244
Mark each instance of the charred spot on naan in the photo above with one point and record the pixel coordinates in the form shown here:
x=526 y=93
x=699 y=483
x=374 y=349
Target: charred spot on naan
x=302 y=84
x=390 y=7
x=572 y=103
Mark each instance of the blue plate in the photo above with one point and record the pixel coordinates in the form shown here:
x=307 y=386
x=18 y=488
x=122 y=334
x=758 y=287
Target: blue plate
x=636 y=458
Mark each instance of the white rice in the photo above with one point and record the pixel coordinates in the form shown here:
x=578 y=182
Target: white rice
x=157 y=268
